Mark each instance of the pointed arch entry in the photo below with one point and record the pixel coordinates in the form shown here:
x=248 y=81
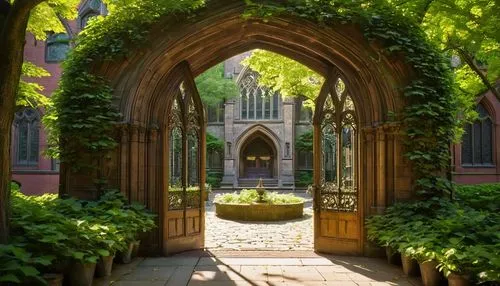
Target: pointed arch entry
x=160 y=156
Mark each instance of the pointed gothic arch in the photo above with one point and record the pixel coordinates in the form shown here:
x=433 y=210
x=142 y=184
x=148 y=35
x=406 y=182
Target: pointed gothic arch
x=146 y=81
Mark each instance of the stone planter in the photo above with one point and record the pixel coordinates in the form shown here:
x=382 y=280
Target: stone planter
x=259 y=211
x=456 y=279
x=135 y=249
x=430 y=274
x=81 y=274
x=104 y=266
x=125 y=257
x=410 y=266
x=53 y=279
x=393 y=257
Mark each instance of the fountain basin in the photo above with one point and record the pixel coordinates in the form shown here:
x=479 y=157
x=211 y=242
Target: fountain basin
x=259 y=211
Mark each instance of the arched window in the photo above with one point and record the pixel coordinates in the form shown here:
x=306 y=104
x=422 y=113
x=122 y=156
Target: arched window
x=89 y=10
x=26 y=137
x=339 y=147
x=477 y=141
x=84 y=20
x=256 y=102
x=57 y=47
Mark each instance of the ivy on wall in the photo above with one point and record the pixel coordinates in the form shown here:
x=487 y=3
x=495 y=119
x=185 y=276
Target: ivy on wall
x=84 y=101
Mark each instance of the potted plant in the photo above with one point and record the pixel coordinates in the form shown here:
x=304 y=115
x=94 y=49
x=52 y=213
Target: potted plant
x=82 y=269
x=456 y=265
x=410 y=264
x=428 y=266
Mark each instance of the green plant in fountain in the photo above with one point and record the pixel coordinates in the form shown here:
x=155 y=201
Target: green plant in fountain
x=249 y=196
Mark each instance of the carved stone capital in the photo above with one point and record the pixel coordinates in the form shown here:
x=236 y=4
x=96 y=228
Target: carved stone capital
x=369 y=134
x=153 y=134
x=134 y=132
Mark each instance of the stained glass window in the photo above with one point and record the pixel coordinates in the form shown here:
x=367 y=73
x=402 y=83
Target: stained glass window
x=57 y=47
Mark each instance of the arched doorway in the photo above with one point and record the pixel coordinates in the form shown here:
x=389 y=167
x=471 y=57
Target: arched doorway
x=147 y=81
x=258 y=159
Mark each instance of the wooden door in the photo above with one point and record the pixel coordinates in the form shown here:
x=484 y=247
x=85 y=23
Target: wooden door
x=337 y=220
x=184 y=221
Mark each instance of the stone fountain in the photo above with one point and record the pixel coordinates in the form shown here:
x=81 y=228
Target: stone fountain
x=260 y=190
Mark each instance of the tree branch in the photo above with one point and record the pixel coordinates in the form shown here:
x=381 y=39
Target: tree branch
x=470 y=61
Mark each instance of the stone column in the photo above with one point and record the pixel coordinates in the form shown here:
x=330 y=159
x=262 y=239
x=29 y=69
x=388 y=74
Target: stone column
x=368 y=165
x=286 y=176
x=134 y=161
x=124 y=161
x=142 y=170
x=380 y=169
x=229 y=179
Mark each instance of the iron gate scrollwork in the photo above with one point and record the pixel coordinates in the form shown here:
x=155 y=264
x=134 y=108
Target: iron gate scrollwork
x=338 y=190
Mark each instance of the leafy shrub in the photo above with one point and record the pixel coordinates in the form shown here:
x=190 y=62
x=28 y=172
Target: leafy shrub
x=483 y=196
x=51 y=231
x=303 y=178
x=463 y=235
x=214 y=178
x=18 y=265
x=251 y=195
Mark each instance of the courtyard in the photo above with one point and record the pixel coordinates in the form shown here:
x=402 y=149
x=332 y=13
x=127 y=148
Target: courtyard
x=222 y=234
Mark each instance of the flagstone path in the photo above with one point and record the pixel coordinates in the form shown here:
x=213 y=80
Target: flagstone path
x=210 y=269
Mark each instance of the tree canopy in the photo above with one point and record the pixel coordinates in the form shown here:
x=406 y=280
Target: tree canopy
x=213 y=87
x=279 y=73
x=464 y=30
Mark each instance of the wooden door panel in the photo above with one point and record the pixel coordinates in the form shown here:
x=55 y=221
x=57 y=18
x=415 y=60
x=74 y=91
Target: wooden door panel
x=193 y=222
x=175 y=223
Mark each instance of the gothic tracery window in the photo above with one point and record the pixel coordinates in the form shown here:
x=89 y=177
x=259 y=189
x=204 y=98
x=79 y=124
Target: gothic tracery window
x=57 y=47
x=26 y=137
x=256 y=102
x=477 y=141
x=339 y=141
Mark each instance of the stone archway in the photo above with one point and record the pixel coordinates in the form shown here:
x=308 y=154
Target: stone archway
x=143 y=90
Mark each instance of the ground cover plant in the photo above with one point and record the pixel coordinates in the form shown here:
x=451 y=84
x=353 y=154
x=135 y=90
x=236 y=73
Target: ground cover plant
x=462 y=235
x=48 y=233
x=250 y=196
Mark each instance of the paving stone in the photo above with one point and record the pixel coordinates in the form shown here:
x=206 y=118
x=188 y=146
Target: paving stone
x=181 y=276
x=170 y=261
x=149 y=274
x=139 y=283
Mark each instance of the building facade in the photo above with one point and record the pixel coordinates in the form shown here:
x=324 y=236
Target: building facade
x=259 y=129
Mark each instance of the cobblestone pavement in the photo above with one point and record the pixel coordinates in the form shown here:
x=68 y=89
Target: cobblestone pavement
x=221 y=234
x=205 y=269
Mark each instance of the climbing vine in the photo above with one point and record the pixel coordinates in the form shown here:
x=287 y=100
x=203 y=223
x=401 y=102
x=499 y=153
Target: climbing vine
x=84 y=114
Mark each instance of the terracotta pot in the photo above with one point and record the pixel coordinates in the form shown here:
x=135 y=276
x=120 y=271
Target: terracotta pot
x=126 y=256
x=81 y=274
x=135 y=249
x=393 y=256
x=456 y=279
x=430 y=274
x=410 y=266
x=104 y=266
x=54 y=279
